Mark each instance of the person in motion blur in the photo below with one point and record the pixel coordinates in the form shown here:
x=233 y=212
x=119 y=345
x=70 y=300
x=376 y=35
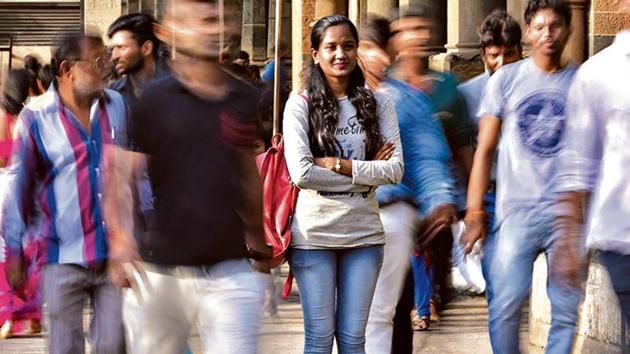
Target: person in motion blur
x=427 y=189
x=57 y=157
x=20 y=309
x=341 y=140
x=525 y=104
x=592 y=186
x=197 y=130
x=500 y=42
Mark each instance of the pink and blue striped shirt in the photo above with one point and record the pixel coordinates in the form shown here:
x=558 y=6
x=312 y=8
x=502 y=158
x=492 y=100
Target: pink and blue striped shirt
x=59 y=163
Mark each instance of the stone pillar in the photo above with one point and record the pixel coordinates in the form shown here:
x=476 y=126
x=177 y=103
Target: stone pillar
x=576 y=48
x=599 y=327
x=286 y=26
x=604 y=22
x=253 y=30
x=99 y=14
x=462 y=48
x=381 y=7
x=357 y=11
x=304 y=13
x=516 y=8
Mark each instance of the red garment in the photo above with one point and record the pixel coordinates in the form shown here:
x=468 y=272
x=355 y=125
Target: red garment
x=26 y=306
x=5 y=144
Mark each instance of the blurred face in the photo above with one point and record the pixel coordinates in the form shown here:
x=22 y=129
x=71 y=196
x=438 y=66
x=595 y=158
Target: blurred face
x=548 y=33
x=373 y=59
x=410 y=36
x=87 y=74
x=337 y=52
x=495 y=56
x=126 y=53
x=195 y=28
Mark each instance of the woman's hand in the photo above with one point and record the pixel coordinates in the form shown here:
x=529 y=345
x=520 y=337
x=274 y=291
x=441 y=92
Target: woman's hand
x=385 y=152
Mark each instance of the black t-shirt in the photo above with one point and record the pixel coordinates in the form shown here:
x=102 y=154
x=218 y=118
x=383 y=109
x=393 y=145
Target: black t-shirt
x=193 y=149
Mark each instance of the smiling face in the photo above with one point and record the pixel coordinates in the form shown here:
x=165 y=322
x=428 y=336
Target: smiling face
x=548 y=33
x=337 y=52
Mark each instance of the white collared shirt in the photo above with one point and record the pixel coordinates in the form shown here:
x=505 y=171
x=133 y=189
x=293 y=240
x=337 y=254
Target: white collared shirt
x=596 y=156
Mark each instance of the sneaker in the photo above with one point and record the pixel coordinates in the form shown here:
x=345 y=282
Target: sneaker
x=7 y=330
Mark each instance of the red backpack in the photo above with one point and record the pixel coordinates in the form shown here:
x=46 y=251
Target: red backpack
x=279 y=197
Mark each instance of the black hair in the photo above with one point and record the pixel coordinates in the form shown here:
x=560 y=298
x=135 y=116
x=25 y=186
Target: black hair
x=242 y=55
x=499 y=29
x=69 y=48
x=558 y=6
x=15 y=88
x=32 y=64
x=422 y=11
x=141 y=27
x=324 y=107
x=45 y=76
x=375 y=30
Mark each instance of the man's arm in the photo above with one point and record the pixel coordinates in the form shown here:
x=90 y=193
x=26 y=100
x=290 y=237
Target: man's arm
x=476 y=216
x=123 y=168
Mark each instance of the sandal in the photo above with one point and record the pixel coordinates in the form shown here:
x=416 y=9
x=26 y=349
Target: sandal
x=420 y=323
x=7 y=330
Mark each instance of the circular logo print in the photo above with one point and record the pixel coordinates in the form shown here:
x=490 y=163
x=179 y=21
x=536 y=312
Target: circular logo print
x=541 y=122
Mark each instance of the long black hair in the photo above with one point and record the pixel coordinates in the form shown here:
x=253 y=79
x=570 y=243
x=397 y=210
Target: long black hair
x=15 y=90
x=322 y=103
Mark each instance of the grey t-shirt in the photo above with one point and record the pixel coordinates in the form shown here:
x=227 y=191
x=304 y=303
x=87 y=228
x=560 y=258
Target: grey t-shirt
x=531 y=103
x=333 y=210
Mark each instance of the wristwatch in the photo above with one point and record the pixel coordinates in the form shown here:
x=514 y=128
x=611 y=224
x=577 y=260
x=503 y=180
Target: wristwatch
x=338 y=165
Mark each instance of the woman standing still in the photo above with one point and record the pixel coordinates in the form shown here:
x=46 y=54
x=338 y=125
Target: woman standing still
x=341 y=142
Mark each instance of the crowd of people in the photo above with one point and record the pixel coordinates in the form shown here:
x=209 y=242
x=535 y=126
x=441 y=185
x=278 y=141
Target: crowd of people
x=129 y=181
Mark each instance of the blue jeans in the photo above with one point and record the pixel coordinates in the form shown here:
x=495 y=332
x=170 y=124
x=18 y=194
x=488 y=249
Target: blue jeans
x=511 y=253
x=422 y=284
x=618 y=267
x=347 y=275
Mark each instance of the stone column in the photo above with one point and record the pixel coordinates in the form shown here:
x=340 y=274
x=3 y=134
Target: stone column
x=462 y=48
x=576 y=48
x=304 y=13
x=286 y=26
x=253 y=30
x=99 y=14
x=381 y=7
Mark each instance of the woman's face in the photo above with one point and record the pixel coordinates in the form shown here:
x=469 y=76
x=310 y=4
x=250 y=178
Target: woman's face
x=337 y=52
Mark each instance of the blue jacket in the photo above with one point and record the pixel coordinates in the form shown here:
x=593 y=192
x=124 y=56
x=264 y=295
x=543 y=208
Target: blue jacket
x=427 y=181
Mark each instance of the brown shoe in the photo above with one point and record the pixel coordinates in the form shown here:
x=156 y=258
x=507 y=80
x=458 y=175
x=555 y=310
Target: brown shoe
x=33 y=327
x=420 y=323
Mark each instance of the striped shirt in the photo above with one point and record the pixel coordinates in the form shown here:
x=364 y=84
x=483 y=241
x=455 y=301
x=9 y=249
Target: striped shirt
x=59 y=162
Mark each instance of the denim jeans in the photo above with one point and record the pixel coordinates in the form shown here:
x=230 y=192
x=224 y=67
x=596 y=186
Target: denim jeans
x=618 y=266
x=336 y=288
x=512 y=251
x=423 y=284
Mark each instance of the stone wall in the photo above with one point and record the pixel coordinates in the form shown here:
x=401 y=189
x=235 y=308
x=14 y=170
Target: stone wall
x=604 y=22
x=99 y=14
x=600 y=329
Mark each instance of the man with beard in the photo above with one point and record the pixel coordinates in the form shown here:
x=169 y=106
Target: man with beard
x=134 y=54
x=134 y=49
x=57 y=157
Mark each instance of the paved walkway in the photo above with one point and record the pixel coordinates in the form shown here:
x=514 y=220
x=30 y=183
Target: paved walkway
x=462 y=329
